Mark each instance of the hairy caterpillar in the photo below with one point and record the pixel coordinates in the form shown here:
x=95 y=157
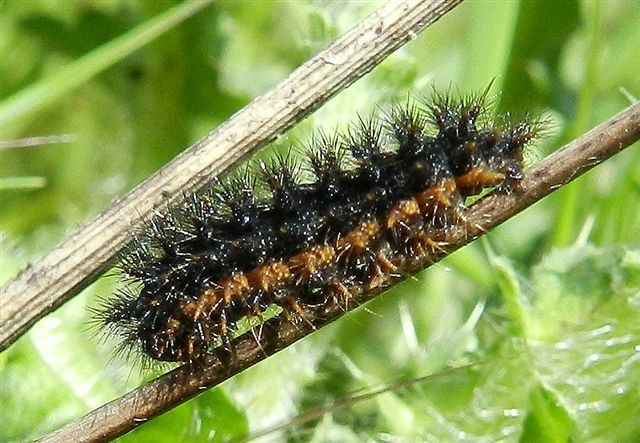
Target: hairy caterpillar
x=363 y=209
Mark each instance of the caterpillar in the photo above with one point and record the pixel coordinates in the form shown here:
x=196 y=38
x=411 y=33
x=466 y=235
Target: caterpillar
x=351 y=214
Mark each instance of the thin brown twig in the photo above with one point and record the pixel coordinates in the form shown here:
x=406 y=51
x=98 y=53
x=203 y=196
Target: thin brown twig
x=317 y=413
x=49 y=282
x=177 y=386
x=40 y=140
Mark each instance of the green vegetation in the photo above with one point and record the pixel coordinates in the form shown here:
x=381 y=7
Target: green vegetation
x=546 y=308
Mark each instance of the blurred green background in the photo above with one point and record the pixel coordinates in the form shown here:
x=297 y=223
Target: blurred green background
x=546 y=307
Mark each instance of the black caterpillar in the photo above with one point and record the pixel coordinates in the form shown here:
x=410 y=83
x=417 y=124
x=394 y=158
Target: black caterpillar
x=356 y=211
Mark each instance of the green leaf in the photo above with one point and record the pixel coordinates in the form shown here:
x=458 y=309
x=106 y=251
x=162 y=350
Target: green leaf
x=546 y=419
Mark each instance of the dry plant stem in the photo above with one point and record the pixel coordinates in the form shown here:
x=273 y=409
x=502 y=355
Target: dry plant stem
x=77 y=261
x=160 y=395
x=37 y=141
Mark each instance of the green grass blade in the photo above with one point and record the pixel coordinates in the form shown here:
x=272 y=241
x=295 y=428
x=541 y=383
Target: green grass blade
x=50 y=89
